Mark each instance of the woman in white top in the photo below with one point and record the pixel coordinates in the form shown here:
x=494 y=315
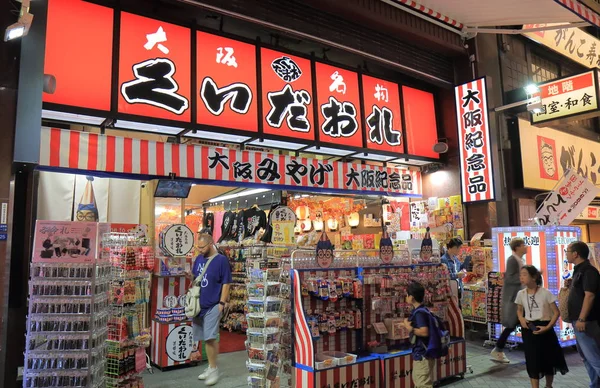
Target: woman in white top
x=537 y=312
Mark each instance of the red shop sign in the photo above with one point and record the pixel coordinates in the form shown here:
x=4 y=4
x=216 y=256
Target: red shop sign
x=420 y=122
x=154 y=68
x=339 y=106
x=382 y=114
x=287 y=97
x=226 y=83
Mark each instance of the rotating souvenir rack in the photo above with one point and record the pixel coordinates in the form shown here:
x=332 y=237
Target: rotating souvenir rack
x=68 y=314
x=269 y=343
x=236 y=316
x=347 y=319
x=473 y=302
x=128 y=333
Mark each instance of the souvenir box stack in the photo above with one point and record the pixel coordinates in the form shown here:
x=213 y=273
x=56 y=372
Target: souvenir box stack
x=68 y=308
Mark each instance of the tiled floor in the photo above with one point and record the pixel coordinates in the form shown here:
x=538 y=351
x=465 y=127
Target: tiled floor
x=485 y=372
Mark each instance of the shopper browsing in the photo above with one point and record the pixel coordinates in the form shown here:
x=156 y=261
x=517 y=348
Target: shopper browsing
x=456 y=268
x=215 y=271
x=512 y=285
x=584 y=308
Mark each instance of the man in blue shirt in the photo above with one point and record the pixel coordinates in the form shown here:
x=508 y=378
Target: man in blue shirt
x=450 y=259
x=214 y=295
x=418 y=324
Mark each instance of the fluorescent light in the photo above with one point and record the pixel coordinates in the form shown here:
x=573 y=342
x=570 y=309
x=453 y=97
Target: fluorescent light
x=237 y=195
x=22 y=26
x=277 y=144
x=377 y=157
x=161 y=129
x=531 y=89
x=14 y=31
x=71 y=117
x=328 y=151
x=216 y=136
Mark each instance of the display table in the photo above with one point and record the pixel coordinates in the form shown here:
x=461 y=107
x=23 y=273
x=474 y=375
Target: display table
x=365 y=372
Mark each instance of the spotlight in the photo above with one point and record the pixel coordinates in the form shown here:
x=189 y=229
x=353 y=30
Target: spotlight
x=22 y=26
x=532 y=89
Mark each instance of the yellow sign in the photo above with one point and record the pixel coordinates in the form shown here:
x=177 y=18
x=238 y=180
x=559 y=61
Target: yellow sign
x=573 y=43
x=283 y=233
x=547 y=153
x=569 y=96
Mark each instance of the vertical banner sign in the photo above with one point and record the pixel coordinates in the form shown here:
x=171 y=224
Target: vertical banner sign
x=226 y=83
x=382 y=114
x=154 y=68
x=287 y=96
x=339 y=106
x=570 y=197
x=477 y=176
x=537 y=253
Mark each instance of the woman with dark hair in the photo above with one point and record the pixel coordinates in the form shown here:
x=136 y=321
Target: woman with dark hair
x=537 y=312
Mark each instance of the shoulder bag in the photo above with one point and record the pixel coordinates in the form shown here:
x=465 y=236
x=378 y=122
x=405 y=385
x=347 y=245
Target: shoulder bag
x=192 y=299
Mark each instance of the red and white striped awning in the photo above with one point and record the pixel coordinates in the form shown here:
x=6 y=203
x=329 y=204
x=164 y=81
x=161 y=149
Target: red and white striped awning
x=467 y=14
x=83 y=151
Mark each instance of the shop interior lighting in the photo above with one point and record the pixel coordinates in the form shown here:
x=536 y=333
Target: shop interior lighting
x=378 y=157
x=221 y=137
x=284 y=145
x=23 y=24
x=318 y=225
x=71 y=117
x=328 y=151
x=237 y=195
x=158 y=129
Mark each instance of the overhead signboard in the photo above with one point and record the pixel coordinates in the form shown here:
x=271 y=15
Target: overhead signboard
x=573 y=43
x=421 y=124
x=338 y=102
x=383 y=116
x=154 y=68
x=476 y=170
x=226 y=81
x=567 y=97
x=555 y=152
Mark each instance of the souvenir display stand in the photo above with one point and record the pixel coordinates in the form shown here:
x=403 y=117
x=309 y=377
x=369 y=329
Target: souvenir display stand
x=347 y=320
x=547 y=246
x=236 y=315
x=473 y=302
x=68 y=307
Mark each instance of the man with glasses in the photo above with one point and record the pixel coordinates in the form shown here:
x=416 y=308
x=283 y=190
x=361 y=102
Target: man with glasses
x=214 y=294
x=584 y=308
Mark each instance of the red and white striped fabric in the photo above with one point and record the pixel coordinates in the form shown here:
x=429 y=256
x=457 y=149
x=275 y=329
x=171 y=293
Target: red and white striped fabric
x=581 y=10
x=113 y=154
x=456 y=324
x=303 y=344
x=537 y=255
x=365 y=374
x=162 y=287
x=398 y=370
x=432 y=13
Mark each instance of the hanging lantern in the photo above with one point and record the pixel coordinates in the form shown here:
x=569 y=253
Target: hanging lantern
x=353 y=219
x=387 y=213
x=302 y=212
x=318 y=224
x=306 y=225
x=332 y=224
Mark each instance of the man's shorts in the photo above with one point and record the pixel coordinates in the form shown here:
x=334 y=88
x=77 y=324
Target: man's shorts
x=207 y=327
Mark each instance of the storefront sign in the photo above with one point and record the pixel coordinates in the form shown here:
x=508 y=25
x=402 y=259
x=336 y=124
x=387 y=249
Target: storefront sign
x=571 y=195
x=283 y=232
x=567 y=97
x=64 y=242
x=339 y=106
x=535 y=241
x=382 y=114
x=177 y=240
x=572 y=43
x=180 y=343
x=555 y=153
x=421 y=124
x=477 y=177
x=226 y=81
x=590 y=213
x=108 y=154
x=154 y=68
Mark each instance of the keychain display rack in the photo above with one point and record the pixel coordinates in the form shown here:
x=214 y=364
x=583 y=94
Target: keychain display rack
x=67 y=325
x=236 y=315
x=269 y=340
x=131 y=260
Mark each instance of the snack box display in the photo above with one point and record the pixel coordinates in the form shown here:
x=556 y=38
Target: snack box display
x=341 y=357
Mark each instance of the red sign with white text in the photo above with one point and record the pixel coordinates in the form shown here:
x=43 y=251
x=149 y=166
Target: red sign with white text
x=339 y=106
x=287 y=98
x=382 y=114
x=476 y=173
x=420 y=121
x=226 y=83
x=154 y=68
x=85 y=58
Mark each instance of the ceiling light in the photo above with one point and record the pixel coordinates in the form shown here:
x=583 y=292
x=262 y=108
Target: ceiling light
x=22 y=26
x=237 y=195
x=532 y=89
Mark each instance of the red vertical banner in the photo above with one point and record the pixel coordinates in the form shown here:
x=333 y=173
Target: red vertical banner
x=226 y=83
x=420 y=121
x=154 y=68
x=287 y=96
x=338 y=99
x=477 y=176
x=383 y=115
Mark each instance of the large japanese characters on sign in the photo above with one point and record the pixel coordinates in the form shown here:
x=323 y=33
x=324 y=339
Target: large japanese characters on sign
x=287 y=98
x=154 y=68
x=477 y=177
x=570 y=197
x=226 y=83
x=569 y=96
x=573 y=43
x=339 y=105
x=133 y=156
x=383 y=116
x=555 y=153
x=177 y=240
